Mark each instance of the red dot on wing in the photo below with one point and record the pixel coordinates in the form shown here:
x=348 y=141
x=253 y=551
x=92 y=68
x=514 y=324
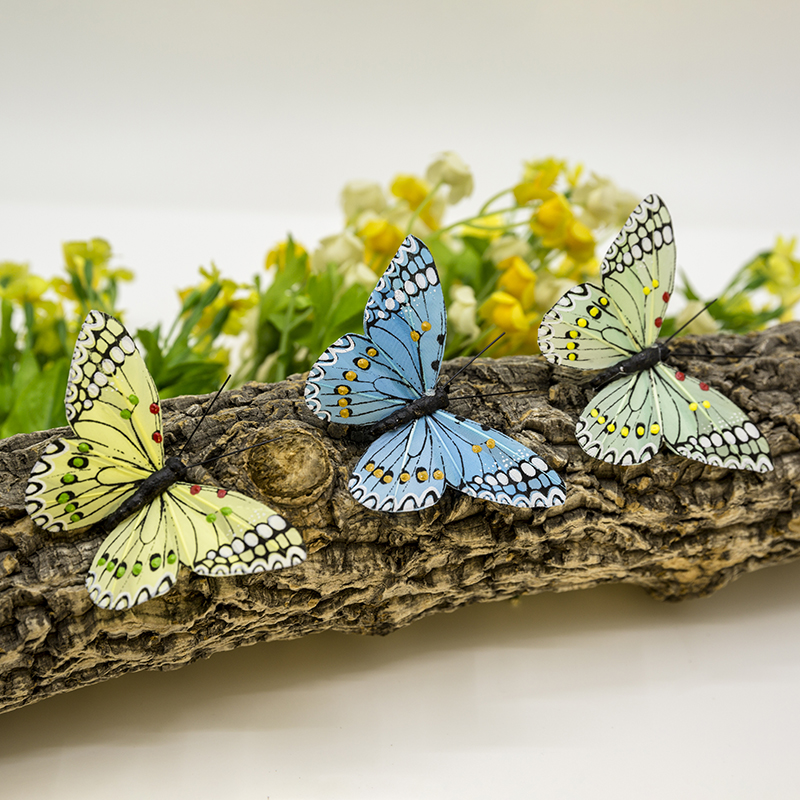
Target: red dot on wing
x=704 y=387
x=157 y=437
x=154 y=409
x=658 y=322
x=680 y=375
x=665 y=297
x=195 y=489
x=221 y=492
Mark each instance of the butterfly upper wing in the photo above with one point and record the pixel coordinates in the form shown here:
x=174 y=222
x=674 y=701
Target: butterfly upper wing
x=405 y=315
x=638 y=271
x=212 y=531
x=362 y=379
x=622 y=423
x=402 y=470
x=355 y=383
x=582 y=330
x=112 y=406
x=485 y=463
x=702 y=424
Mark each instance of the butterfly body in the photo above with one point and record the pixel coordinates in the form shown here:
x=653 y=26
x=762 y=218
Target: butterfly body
x=645 y=359
x=387 y=380
x=643 y=401
x=112 y=473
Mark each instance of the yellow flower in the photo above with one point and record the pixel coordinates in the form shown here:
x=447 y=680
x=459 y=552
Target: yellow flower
x=518 y=280
x=578 y=241
x=577 y=271
x=77 y=255
x=25 y=289
x=462 y=309
x=783 y=272
x=360 y=196
x=549 y=289
x=277 y=256
x=538 y=179
x=449 y=169
x=381 y=240
x=505 y=311
x=550 y=221
x=237 y=306
x=415 y=191
x=10 y=272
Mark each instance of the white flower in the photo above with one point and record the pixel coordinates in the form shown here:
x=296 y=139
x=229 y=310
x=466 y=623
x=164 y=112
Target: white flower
x=549 y=289
x=602 y=202
x=360 y=196
x=704 y=323
x=339 y=249
x=450 y=170
x=507 y=246
x=358 y=272
x=462 y=310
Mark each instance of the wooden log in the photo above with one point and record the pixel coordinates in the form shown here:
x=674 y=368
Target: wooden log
x=675 y=527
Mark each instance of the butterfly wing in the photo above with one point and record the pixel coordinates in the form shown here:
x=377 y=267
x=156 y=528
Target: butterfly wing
x=702 y=424
x=485 y=463
x=112 y=406
x=361 y=379
x=212 y=531
x=353 y=382
x=622 y=424
x=581 y=330
x=638 y=271
x=405 y=315
x=402 y=470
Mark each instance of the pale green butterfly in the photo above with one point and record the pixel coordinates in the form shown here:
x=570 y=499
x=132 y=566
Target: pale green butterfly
x=114 y=473
x=614 y=328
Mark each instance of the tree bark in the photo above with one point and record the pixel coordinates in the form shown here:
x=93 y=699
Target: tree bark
x=675 y=527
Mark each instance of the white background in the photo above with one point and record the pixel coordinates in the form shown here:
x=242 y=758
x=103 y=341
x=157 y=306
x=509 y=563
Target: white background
x=186 y=132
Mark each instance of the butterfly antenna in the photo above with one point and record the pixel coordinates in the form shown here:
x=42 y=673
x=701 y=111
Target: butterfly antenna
x=205 y=414
x=233 y=452
x=495 y=341
x=689 y=322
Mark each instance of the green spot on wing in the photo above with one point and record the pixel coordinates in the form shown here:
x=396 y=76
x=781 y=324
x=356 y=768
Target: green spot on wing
x=137 y=568
x=172 y=558
x=155 y=562
x=226 y=511
x=125 y=413
x=211 y=518
x=133 y=399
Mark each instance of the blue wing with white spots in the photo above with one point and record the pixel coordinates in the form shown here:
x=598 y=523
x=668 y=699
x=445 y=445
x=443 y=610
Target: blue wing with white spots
x=405 y=315
x=403 y=470
x=356 y=383
x=485 y=463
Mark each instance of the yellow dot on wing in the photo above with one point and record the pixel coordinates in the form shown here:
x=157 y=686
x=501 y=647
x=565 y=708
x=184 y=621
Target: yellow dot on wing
x=343 y=401
x=372 y=352
x=625 y=430
x=344 y=412
x=362 y=363
x=594 y=412
x=654 y=429
x=415 y=335
x=692 y=406
x=369 y=466
x=422 y=475
x=601 y=420
x=490 y=443
x=640 y=430
x=404 y=477
x=343 y=389
x=611 y=427
x=646 y=290
x=438 y=474
x=655 y=284
x=582 y=323
x=350 y=375
x=387 y=478
x=594 y=311
x=706 y=404
x=603 y=301
x=573 y=334
x=571 y=345
x=378 y=472
x=476 y=448
x=426 y=326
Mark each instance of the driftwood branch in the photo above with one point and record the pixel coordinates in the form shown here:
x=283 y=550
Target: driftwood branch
x=672 y=526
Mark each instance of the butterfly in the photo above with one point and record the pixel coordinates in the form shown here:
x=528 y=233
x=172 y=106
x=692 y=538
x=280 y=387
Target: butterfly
x=114 y=473
x=615 y=328
x=387 y=379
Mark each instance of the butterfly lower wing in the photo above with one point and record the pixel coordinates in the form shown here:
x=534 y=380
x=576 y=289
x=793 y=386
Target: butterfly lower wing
x=353 y=382
x=402 y=470
x=487 y=464
x=704 y=425
x=76 y=483
x=111 y=397
x=581 y=330
x=638 y=271
x=138 y=560
x=405 y=315
x=211 y=531
x=622 y=423
x=227 y=533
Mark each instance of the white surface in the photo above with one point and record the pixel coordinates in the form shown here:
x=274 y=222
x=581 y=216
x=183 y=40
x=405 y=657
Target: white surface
x=192 y=131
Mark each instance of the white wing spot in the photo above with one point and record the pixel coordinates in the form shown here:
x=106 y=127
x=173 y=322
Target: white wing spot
x=741 y=434
x=399 y=296
x=410 y=287
x=117 y=355
x=752 y=430
x=421 y=280
x=276 y=523
x=432 y=275
x=716 y=439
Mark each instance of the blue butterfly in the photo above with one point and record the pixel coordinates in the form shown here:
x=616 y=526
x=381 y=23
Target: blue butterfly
x=387 y=379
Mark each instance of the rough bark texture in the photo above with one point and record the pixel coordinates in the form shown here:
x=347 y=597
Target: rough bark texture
x=672 y=526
